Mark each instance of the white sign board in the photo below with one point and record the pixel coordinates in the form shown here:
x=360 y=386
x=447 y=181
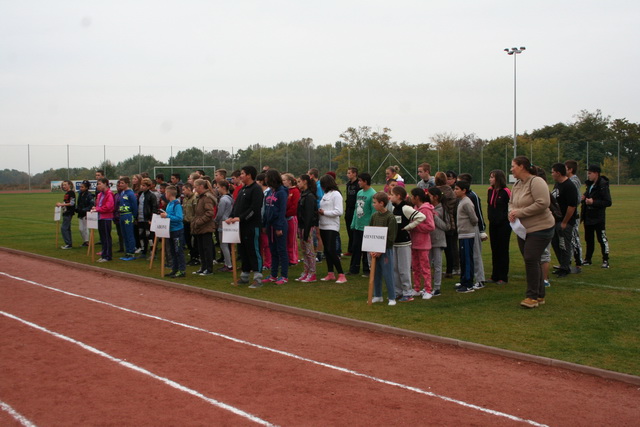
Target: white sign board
x=57 y=213
x=160 y=226
x=375 y=239
x=92 y=220
x=230 y=232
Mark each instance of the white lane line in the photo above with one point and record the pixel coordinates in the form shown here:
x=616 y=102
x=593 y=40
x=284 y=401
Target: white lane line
x=136 y=368
x=598 y=285
x=287 y=354
x=16 y=415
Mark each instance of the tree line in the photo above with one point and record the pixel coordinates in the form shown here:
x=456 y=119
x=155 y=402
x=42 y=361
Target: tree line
x=591 y=138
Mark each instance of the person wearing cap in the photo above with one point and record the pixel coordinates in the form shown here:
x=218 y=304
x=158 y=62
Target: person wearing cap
x=595 y=200
x=84 y=205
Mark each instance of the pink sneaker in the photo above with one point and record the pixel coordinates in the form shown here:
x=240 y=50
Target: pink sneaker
x=269 y=279
x=329 y=277
x=282 y=281
x=310 y=279
x=341 y=278
x=302 y=278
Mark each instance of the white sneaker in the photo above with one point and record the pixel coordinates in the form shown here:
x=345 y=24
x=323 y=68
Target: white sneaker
x=138 y=251
x=478 y=285
x=392 y=302
x=458 y=285
x=376 y=299
x=427 y=295
x=415 y=293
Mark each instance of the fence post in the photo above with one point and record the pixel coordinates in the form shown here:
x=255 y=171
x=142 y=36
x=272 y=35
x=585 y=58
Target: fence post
x=29 y=163
x=618 y=161
x=416 y=169
x=482 y=164
x=139 y=159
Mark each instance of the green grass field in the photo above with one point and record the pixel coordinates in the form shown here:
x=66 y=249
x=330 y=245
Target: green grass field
x=591 y=318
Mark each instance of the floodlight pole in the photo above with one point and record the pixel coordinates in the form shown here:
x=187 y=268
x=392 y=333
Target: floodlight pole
x=514 y=51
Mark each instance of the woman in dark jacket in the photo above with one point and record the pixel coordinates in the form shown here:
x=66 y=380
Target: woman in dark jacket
x=203 y=225
x=499 y=228
x=307 y=219
x=147 y=206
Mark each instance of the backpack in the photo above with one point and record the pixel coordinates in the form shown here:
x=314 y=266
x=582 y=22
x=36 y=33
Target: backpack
x=554 y=207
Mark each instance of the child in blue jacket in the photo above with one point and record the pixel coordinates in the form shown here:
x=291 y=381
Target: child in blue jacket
x=173 y=211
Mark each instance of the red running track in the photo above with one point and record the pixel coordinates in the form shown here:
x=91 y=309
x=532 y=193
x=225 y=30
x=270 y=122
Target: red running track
x=83 y=348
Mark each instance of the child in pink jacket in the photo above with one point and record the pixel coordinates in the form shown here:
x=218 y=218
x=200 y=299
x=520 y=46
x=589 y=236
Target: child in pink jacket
x=421 y=244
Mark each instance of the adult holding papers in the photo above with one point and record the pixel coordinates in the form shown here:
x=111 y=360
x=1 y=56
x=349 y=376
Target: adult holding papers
x=530 y=205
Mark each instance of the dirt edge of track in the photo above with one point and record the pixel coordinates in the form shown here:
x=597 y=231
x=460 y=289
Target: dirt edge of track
x=603 y=373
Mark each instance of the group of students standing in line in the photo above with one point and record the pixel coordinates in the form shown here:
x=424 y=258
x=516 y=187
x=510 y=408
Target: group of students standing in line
x=281 y=215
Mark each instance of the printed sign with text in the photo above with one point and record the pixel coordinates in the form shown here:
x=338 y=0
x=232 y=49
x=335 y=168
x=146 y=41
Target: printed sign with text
x=230 y=232
x=374 y=239
x=92 y=220
x=160 y=226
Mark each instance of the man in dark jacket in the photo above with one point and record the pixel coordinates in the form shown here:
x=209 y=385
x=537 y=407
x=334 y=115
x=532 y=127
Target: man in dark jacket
x=594 y=202
x=247 y=210
x=350 y=207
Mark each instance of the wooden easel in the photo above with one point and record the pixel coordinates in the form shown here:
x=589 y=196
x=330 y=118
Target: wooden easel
x=153 y=254
x=91 y=250
x=233 y=264
x=372 y=275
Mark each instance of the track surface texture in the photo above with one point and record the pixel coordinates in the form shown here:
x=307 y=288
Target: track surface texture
x=85 y=348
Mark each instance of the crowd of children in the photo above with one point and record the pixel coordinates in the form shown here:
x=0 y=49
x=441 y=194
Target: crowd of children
x=286 y=220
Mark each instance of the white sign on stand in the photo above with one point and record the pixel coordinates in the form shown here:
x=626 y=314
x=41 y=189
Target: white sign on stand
x=57 y=213
x=160 y=226
x=374 y=239
x=230 y=232
x=92 y=220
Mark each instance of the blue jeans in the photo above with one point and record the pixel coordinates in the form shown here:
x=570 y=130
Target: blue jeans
x=126 y=225
x=384 y=268
x=279 y=254
x=176 y=243
x=65 y=228
x=466 y=262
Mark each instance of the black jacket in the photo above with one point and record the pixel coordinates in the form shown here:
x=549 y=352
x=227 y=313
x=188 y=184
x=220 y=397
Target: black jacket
x=84 y=203
x=150 y=204
x=599 y=192
x=498 y=206
x=352 y=193
x=307 y=213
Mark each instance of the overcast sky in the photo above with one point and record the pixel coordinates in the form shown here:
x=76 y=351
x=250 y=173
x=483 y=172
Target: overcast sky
x=228 y=74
